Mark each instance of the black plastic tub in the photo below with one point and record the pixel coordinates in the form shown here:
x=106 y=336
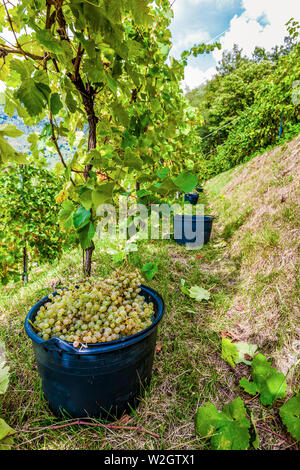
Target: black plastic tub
x=192 y=198
x=102 y=380
x=185 y=229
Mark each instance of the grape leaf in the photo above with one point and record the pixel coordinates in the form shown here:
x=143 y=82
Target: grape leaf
x=10 y=131
x=85 y=198
x=5 y=432
x=150 y=269
x=81 y=217
x=290 y=415
x=9 y=154
x=245 y=349
x=267 y=381
x=86 y=234
x=183 y=287
x=194 y=292
x=65 y=215
x=102 y=194
x=46 y=38
x=234 y=353
x=227 y=430
x=186 y=181
x=31 y=94
x=4 y=374
x=55 y=103
x=198 y=293
x=230 y=353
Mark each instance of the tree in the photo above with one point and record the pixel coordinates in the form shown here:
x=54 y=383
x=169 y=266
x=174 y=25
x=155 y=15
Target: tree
x=99 y=68
x=231 y=60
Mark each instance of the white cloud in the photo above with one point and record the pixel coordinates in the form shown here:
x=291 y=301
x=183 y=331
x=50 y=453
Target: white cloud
x=194 y=76
x=217 y=3
x=246 y=31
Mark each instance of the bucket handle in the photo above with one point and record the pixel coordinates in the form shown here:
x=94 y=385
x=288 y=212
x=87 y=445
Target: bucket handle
x=59 y=345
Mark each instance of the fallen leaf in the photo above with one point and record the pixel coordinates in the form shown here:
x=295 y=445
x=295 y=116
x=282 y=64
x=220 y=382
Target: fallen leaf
x=124 y=419
x=158 y=348
x=247 y=357
x=240 y=308
x=226 y=334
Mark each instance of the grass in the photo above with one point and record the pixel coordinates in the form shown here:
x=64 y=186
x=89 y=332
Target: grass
x=251 y=269
x=188 y=370
x=190 y=348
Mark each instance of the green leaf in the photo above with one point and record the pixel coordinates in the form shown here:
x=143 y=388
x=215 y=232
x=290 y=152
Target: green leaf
x=9 y=154
x=85 y=198
x=70 y=102
x=198 y=293
x=166 y=186
x=183 y=287
x=120 y=114
x=102 y=194
x=290 y=415
x=245 y=349
x=132 y=160
x=150 y=269
x=195 y=292
x=86 y=234
x=65 y=215
x=228 y=430
x=112 y=83
x=4 y=376
x=186 y=181
x=230 y=353
x=24 y=68
x=55 y=103
x=81 y=217
x=5 y=431
x=46 y=39
x=163 y=173
x=10 y=131
x=33 y=96
x=267 y=381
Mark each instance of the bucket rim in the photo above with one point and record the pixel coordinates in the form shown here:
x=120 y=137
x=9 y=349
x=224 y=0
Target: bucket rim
x=96 y=347
x=193 y=216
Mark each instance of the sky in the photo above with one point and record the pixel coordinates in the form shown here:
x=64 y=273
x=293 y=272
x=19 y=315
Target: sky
x=248 y=23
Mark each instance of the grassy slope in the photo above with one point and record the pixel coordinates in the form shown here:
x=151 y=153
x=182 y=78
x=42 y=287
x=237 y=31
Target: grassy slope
x=252 y=280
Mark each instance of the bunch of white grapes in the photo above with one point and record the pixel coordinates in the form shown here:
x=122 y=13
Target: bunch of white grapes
x=96 y=311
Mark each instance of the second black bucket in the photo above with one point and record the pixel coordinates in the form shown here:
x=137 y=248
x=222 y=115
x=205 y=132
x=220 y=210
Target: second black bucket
x=185 y=229
x=102 y=380
x=192 y=198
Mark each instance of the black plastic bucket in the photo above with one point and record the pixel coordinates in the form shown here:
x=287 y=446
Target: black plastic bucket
x=185 y=229
x=192 y=198
x=102 y=380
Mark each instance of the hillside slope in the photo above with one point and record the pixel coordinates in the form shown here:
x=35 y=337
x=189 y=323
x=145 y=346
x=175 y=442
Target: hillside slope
x=258 y=215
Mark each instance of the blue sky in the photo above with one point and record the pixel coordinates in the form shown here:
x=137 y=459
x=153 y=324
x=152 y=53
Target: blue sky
x=245 y=22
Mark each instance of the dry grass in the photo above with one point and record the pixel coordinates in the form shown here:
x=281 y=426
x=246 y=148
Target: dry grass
x=261 y=203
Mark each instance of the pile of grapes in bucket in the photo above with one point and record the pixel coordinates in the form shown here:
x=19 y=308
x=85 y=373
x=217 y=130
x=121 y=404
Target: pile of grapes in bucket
x=94 y=344
x=96 y=311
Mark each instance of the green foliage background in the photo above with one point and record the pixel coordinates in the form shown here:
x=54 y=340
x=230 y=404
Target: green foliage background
x=246 y=102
